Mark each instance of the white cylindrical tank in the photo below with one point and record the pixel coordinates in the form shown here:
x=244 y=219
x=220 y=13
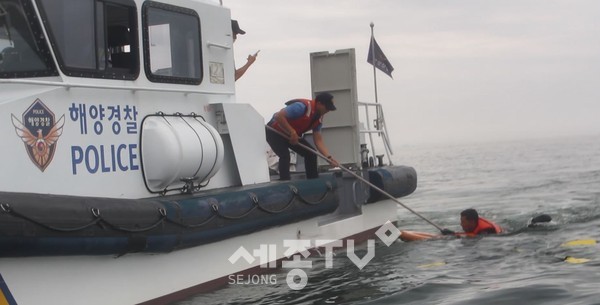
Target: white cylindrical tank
x=176 y=147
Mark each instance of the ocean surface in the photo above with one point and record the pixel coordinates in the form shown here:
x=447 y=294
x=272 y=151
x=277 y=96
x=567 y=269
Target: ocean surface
x=508 y=182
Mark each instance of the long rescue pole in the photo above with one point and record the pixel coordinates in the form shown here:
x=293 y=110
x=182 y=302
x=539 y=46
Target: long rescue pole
x=359 y=178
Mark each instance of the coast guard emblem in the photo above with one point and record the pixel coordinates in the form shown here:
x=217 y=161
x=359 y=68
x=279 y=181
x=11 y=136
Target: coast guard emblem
x=39 y=131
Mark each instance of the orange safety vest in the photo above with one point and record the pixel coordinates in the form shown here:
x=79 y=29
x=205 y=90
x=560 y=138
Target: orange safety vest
x=306 y=121
x=484 y=226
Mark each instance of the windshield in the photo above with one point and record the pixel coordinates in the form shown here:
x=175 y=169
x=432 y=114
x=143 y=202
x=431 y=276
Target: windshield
x=93 y=38
x=23 y=49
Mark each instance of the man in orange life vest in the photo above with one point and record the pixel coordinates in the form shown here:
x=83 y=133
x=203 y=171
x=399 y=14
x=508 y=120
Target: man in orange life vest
x=298 y=117
x=474 y=225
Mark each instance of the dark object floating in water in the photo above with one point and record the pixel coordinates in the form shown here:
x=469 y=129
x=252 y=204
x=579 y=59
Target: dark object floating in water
x=544 y=218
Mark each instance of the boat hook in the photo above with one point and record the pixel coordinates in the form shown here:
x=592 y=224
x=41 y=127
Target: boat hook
x=359 y=178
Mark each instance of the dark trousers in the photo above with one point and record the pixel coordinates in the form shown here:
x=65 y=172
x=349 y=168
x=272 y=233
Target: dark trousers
x=280 y=146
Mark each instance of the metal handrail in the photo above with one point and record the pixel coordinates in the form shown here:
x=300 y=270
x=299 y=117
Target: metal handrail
x=381 y=129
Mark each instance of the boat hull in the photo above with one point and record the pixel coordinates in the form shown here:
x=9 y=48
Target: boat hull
x=167 y=277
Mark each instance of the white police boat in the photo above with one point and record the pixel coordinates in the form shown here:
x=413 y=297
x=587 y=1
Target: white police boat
x=130 y=174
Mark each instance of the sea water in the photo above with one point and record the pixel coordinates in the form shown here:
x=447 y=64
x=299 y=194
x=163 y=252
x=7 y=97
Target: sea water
x=507 y=182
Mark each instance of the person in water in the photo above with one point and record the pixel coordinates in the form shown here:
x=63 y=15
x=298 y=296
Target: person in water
x=471 y=223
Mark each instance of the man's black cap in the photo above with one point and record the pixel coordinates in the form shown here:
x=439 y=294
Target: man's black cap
x=235 y=28
x=326 y=99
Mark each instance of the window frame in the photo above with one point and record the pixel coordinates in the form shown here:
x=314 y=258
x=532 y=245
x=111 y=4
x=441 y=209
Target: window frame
x=41 y=43
x=146 y=45
x=107 y=72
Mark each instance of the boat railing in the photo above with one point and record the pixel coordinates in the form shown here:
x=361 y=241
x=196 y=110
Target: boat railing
x=379 y=128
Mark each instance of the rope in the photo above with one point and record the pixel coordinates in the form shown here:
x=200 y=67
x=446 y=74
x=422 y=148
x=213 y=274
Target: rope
x=325 y=195
x=285 y=207
x=97 y=220
x=7 y=209
x=215 y=209
x=191 y=226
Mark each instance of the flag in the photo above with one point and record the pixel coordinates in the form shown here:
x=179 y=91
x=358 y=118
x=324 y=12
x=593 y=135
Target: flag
x=381 y=62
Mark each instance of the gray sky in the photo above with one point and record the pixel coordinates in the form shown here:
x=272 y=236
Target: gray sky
x=465 y=70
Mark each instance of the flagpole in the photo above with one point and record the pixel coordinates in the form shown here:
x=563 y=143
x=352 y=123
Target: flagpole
x=377 y=120
x=373 y=60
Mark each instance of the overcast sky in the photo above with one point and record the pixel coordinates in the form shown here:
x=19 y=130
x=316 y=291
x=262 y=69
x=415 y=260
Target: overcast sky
x=464 y=70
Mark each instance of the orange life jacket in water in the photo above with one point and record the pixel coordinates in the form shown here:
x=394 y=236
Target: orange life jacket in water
x=484 y=226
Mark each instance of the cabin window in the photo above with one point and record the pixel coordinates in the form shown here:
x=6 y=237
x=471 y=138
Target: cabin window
x=94 y=38
x=172 y=44
x=23 y=49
